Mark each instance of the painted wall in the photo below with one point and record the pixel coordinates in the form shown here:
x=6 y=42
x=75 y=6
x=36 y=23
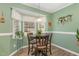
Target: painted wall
x=67 y=41
x=7 y=13
x=64 y=40
x=49 y=19
x=7 y=43
x=5 y=28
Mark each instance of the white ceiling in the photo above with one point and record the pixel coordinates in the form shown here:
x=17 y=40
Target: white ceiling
x=28 y=13
x=48 y=7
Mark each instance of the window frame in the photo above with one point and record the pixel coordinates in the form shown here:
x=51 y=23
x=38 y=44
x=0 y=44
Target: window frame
x=19 y=24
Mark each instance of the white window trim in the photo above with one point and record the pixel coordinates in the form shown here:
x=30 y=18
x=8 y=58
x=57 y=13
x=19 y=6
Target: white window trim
x=14 y=27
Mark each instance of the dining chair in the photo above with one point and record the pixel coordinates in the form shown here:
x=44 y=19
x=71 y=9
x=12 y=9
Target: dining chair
x=31 y=43
x=49 y=42
x=42 y=45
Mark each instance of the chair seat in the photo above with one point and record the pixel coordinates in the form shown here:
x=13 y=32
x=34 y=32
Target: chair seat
x=41 y=47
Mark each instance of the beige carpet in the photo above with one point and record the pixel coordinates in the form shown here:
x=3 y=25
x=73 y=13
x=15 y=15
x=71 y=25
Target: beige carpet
x=55 y=52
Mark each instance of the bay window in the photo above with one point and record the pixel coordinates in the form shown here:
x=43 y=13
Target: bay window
x=26 y=23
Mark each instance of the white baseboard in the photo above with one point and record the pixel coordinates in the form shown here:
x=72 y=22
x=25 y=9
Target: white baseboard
x=17 y=50
x=53 y=45
x=66 y=49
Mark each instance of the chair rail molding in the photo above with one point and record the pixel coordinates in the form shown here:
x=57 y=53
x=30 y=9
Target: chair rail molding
x=61 y=32
x=5 y=34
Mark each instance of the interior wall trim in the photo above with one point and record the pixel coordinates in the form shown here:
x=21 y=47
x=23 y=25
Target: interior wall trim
x=5 y=34
x=17 y=50
x=52 y=45
x=63 y=7
x=56 y=32
x=65 y=49
x=60 y=32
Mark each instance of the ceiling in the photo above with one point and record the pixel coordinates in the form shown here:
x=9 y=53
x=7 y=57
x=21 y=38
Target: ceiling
x=28 y=13
x=48 y=7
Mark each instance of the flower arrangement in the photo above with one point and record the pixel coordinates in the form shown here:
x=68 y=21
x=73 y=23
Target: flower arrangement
x=39 y=32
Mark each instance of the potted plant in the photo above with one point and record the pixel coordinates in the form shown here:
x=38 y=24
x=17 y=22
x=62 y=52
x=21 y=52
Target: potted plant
x=77 y=35
x=19 y=34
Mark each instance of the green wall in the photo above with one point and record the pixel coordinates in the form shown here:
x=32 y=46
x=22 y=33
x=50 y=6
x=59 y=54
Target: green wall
x=7 y=42
x=49 y=18
x=65 y=40
x=4 y=45
x=7 y=13
x=5 y=28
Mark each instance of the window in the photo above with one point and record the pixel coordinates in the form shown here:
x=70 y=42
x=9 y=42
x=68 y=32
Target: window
x=16 y=25
x=29 y=24
x=16 y=17
x=25 y=23
x=41 y=23
x=42 y=26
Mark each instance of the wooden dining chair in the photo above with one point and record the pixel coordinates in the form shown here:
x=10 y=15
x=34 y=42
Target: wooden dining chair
x=42 y=45
x=49 y=42
x=31 y=43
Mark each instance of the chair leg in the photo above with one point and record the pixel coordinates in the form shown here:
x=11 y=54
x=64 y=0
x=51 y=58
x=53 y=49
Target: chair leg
x=46 y=50
x=32 y=47
x=50 y=50
x=28 y=50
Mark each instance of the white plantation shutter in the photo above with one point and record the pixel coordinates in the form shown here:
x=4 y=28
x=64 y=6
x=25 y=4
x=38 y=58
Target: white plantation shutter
x=16 y=25
x=26 y=25
x=16 y=17
x=29 y=26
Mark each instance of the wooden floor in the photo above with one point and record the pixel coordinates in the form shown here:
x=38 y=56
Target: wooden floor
x=55 y=52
